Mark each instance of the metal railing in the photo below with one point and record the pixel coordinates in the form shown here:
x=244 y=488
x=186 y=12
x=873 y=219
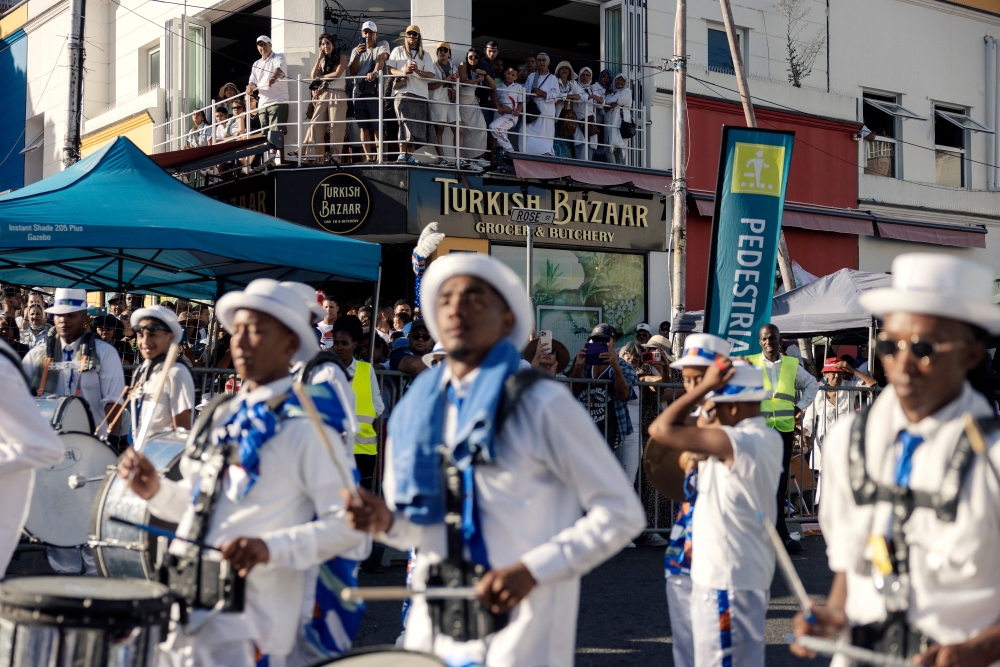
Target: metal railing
x=456 y=130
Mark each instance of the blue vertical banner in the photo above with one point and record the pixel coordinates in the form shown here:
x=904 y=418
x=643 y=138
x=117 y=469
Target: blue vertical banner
x=749 y=200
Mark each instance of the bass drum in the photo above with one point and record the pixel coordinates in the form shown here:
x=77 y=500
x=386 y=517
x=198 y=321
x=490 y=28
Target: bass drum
x=64 y=621
x=124 y=551
x=58 y=514
x=67 y=414
x=383 y=656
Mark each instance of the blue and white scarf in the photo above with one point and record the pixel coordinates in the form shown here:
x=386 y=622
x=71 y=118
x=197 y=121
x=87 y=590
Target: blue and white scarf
x=677 y=560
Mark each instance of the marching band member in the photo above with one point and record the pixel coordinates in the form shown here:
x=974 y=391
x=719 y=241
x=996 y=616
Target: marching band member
x=27 y=442
x=75 y=361
x=533 y=495
x=700 y=350
x=909 y=511
x=268 y=491
x=155 y=329
x=731 y=577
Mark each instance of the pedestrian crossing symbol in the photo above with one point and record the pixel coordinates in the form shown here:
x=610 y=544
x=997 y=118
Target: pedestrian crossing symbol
x=757 y=169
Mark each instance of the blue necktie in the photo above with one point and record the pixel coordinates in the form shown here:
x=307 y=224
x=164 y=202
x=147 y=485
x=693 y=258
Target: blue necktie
x=904 y=464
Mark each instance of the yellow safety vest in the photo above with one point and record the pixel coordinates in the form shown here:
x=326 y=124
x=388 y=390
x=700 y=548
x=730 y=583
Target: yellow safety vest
x=779 y=411
x=365 y=441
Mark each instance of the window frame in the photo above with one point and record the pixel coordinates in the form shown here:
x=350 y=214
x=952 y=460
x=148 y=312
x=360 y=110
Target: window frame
x=945 y=111
x=150 y=52
x=892 y=109
x=743 y=34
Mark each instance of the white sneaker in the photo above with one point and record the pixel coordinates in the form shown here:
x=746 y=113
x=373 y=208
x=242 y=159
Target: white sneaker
x=630 y=545
x=656 y=540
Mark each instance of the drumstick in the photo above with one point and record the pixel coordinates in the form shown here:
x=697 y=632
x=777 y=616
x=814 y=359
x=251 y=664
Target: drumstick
x=161 y=382
x=120 y=410
x=378 y=593
x=162 y=532
x=863 y=655
x=306 y=400
x=978 y=443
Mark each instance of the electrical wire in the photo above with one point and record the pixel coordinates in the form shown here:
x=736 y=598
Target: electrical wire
x=55 y=65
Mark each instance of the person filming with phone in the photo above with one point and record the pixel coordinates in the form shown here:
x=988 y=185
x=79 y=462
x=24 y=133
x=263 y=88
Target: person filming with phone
x=607 y=403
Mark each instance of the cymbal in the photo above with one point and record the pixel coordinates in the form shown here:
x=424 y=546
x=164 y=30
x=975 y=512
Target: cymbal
x=663 y=469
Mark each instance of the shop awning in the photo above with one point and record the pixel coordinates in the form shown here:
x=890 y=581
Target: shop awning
x=803 y=216
x=116 y=221
x=189 y=159
x=590 y=173
x=962 y=236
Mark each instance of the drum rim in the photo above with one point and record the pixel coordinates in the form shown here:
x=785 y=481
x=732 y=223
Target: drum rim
x=380 y=648
x=57 y=414
x=47 y=609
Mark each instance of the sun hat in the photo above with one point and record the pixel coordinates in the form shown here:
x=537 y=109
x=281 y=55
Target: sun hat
x=161 y=314
x=268 y=296
x=745 y=386
x=661 y=343
x=68 y=301
x=565 y=63
x=939 y=285
x=701 y=350
x=488 y=269
x=309 y=295
x=369 y=25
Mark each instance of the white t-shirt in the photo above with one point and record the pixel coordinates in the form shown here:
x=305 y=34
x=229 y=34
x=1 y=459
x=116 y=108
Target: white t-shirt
x=411 y=83
x=510 y=96
x=177 y=396
x=260 y=76
x=326 y=337
x=732 y=549
x=548 y=84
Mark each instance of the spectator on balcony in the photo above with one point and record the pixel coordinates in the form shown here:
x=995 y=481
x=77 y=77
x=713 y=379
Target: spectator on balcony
x=331 y=99
x=240 y=119
x=201 y=132
x=473 y=124
x=267 y=78
x=487 y=96
x=618 y=104
x=591 y=97
x=226 y=128
x=604 y=82
x=442 y=95
x=569 y=91
x=368 y=61
x=413 y=68
x=531 y=63
x=510 y=97
x=564 y=145
x=228 y=96
x=522 y=74
x=544 y=87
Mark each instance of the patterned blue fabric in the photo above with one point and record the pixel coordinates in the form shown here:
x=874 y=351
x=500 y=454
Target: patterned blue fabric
x=725 y=628
x=335 y=622
x=677 y=560
x=621 y=407
x=248 y=430
x=904 y=464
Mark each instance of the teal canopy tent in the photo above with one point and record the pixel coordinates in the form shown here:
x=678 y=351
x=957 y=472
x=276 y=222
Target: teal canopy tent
x=116 y=221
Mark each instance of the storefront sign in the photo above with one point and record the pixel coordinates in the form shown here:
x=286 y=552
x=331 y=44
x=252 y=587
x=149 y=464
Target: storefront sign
x=340 y=203
x=749 y=199
x=481 y=207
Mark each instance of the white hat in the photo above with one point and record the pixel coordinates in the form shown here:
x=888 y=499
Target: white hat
x=308 y=295
x=701 y=350
x=68 y=301
x=435 y=354
x=263 y=38
x=493 y=271
x=644 y=327
x=268 y=296
x=369 y=25
x=661 y=343
x=939 y=285
x=160 y=313
x=746 y=386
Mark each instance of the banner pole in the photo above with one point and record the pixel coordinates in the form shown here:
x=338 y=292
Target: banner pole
x=679 y=183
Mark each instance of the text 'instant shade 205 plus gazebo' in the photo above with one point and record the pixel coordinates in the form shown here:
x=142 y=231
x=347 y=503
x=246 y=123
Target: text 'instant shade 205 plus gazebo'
x=116 y=221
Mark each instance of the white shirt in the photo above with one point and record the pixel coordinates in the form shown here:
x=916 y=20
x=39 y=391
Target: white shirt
x=97 y=389
x=298 y=481
x=326 y=335
x=556 y=500
x=820 y=417
x=732 y=551
x=177 y=396
x=260 y=76
x=510 y=96
x=548 y=84
x=31 y=338
x=27 y=442
x=377 y=402
x=954 y=580
x=804 y=382
x=411 y=83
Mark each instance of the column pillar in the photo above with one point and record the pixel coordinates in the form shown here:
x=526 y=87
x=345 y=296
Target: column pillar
x=444 y=21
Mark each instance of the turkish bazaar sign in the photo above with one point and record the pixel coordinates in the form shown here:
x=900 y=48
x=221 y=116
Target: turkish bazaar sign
x=749 y=199
x=480 y=207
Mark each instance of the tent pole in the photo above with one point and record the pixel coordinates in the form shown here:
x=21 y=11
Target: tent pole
x=373 y=319
x=871 y=347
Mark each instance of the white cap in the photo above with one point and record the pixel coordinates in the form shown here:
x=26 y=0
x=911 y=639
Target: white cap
x=435 y=354
x=644 y=327
x=746 y=386
x=160 y=313
x=68 y=301
x=702 y=350
x=268 y=296
x=369 y=25
x=263 y=38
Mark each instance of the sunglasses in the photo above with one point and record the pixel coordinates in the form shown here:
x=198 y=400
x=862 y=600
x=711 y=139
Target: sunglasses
x=599 y=339
x=150 y=328
x=921 y=348
x=473 y=57
x=413 y=34
x=420 y=337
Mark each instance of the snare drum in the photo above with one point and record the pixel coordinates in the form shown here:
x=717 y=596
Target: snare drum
x=81 y=621
x=382 y=656
x=67 y=414
x=124 y=551
x=59 y=515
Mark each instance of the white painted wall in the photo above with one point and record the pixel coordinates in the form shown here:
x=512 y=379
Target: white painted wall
x=444 y=20
x=658 y=296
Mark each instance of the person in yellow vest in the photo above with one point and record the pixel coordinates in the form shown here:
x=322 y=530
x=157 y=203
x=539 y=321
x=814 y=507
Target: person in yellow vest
x=783 y=376
x=347 y=335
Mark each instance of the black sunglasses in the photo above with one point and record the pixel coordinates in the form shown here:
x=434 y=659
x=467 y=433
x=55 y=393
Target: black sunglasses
x=413 y=34
x=149 y=328
x=420 y=336
x=921 y=348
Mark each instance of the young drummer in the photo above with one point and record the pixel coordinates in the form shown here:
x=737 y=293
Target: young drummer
x=700 y=350
x=731 y=577
x=156 y=328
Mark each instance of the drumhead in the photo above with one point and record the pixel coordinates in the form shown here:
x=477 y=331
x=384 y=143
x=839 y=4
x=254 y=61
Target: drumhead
x=384 y=656
x=84 y=601
x=59 y=515
x=67 y=414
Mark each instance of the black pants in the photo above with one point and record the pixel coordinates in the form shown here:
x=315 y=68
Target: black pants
x=366 y=467
x=786 y=462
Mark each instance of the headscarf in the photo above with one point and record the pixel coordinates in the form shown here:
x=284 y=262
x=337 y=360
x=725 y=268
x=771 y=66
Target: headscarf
x=601 y=76
x=565 y=63
x=586 y=69
x=622 y=76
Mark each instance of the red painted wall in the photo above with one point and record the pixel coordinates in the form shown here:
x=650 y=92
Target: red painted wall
x=824 y=160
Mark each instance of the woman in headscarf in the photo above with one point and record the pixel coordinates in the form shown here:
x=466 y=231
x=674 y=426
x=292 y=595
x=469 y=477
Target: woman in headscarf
x=472 y=130
x=569 y=91
x=591 y=98
x=618 y=104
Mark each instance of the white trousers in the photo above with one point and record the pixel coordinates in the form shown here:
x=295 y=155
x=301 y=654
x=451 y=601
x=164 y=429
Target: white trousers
x=679 y=606
x=728 y=627
x=499 y=128
x=190 y=652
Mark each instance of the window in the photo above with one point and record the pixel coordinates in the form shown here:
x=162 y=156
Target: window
x=884 y=116
x=720 y=58
x=195 y=76
x=153 y=68
x=612 y=55
x=951 y=137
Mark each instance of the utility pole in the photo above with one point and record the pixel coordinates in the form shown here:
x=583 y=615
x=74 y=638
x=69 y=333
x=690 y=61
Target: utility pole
x=784 y=262
x=71 y=149
x=679 y=185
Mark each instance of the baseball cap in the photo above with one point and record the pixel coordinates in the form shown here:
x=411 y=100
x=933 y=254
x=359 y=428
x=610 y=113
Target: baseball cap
x=369 y=25
x=644 y=327
x=263 y=38
x=443 y=45
x=412 y=28
x=603 y=330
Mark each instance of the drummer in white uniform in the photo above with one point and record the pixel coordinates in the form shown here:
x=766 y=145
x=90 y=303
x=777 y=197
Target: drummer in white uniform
x=27 y=443
x=76 y=362
x=912 y=534
x=549 y=500
x=155 y=329
x=275 y=513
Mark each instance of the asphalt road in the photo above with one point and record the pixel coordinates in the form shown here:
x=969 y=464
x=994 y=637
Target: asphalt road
x=623 y=610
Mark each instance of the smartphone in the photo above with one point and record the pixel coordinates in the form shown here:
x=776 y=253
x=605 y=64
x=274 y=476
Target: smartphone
x=594 y=352
x=650 y=356
x=545 y=340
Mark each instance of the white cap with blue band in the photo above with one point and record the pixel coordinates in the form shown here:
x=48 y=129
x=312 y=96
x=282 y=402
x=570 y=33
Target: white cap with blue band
x=702 y=350
x=68 y=301
x=745 y=386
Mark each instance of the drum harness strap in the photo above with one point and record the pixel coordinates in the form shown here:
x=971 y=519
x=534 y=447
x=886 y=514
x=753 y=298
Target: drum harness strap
x=893 y=635
x=84 y=359
x=147 y=370
x=465 y=620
